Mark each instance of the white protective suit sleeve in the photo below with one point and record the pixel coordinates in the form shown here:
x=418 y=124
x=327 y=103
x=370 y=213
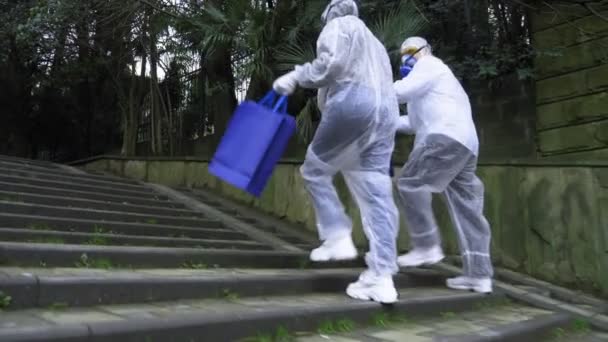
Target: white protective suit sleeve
x=422 y=78
x=404 y=126
x=333 y=48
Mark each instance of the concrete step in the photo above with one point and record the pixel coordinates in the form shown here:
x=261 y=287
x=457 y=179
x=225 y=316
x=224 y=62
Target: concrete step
x=506 y=322
x=61 y=172
x=22 y=197
x=71 y=179
x=89 y=195
x=106 y=215
x=229 y=319
x=145 y=192
x=89 y=226
x=53 y=255
x=77 y=287
x=105 y=239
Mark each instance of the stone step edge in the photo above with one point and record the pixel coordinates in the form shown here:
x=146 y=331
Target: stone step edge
x=88 y=194
x=60 y=222
x=29 y=290
x=78 y=187
x=69 y=177
x=62 y=171
x=77 y=213
x=117 y=257
x=225 y=326
x=77 y=202
x=23 y=235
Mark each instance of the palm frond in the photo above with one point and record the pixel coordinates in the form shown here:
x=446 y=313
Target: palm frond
x=304 y=121
x=294 y=54
x=398 y=23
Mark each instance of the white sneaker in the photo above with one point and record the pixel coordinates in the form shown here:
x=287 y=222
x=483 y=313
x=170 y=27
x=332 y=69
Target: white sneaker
x=380 y=289
x=419 y=257
x=480 y=285
x=338 y=249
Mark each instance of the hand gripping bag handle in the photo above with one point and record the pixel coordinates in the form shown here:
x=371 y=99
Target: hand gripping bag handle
x=279 y=107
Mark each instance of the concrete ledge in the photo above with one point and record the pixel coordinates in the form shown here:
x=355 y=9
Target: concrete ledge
x=528 y=162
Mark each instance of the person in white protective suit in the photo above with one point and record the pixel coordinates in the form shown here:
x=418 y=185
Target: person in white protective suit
x=356 y=135
x=444 y=160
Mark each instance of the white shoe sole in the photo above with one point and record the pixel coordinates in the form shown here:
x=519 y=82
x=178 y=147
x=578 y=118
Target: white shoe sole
x=357 y=293
x=469 y=288
x=349 y=257
x=427 y=262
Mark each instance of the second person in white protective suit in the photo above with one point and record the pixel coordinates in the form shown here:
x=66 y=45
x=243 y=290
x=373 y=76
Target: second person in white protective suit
x=356 y=134
x=444 y=160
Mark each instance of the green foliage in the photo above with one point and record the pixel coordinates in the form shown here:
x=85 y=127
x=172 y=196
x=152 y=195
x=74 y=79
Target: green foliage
x=5 y=300
x=86 y=262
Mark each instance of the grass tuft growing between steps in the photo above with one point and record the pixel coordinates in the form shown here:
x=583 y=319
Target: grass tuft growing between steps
x=86 y=262
x=569 y=333
x=5 y=300
x=39 y=226
x=281 y=335
x=334 y=327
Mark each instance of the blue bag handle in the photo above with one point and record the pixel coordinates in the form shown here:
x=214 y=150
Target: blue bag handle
x=269 y=100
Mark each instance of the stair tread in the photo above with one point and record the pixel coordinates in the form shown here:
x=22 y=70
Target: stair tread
x=204 y=309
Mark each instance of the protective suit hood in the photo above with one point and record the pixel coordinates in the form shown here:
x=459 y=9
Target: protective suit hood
x=339 y=8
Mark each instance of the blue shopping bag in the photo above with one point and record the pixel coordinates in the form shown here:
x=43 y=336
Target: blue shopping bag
x=253 y=143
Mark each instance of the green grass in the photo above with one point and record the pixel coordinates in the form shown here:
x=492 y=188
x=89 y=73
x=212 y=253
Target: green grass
x=229 y=295
x=281 y=335
x=195 y=266
x=329 y=327
x=576 y=327
x=5 y=300
x=58 y=306
x=38 y=226
x=86 y=262
x=448 y=315
x=152 y=221
x=580 y=326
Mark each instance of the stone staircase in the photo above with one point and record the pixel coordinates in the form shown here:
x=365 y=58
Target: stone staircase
x=93 y=257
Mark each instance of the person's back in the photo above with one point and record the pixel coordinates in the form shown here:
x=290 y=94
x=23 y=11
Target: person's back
x=439 y=104
x=362 y=66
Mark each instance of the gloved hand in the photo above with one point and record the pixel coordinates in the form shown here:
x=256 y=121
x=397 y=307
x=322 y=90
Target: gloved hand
x=286 y=84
